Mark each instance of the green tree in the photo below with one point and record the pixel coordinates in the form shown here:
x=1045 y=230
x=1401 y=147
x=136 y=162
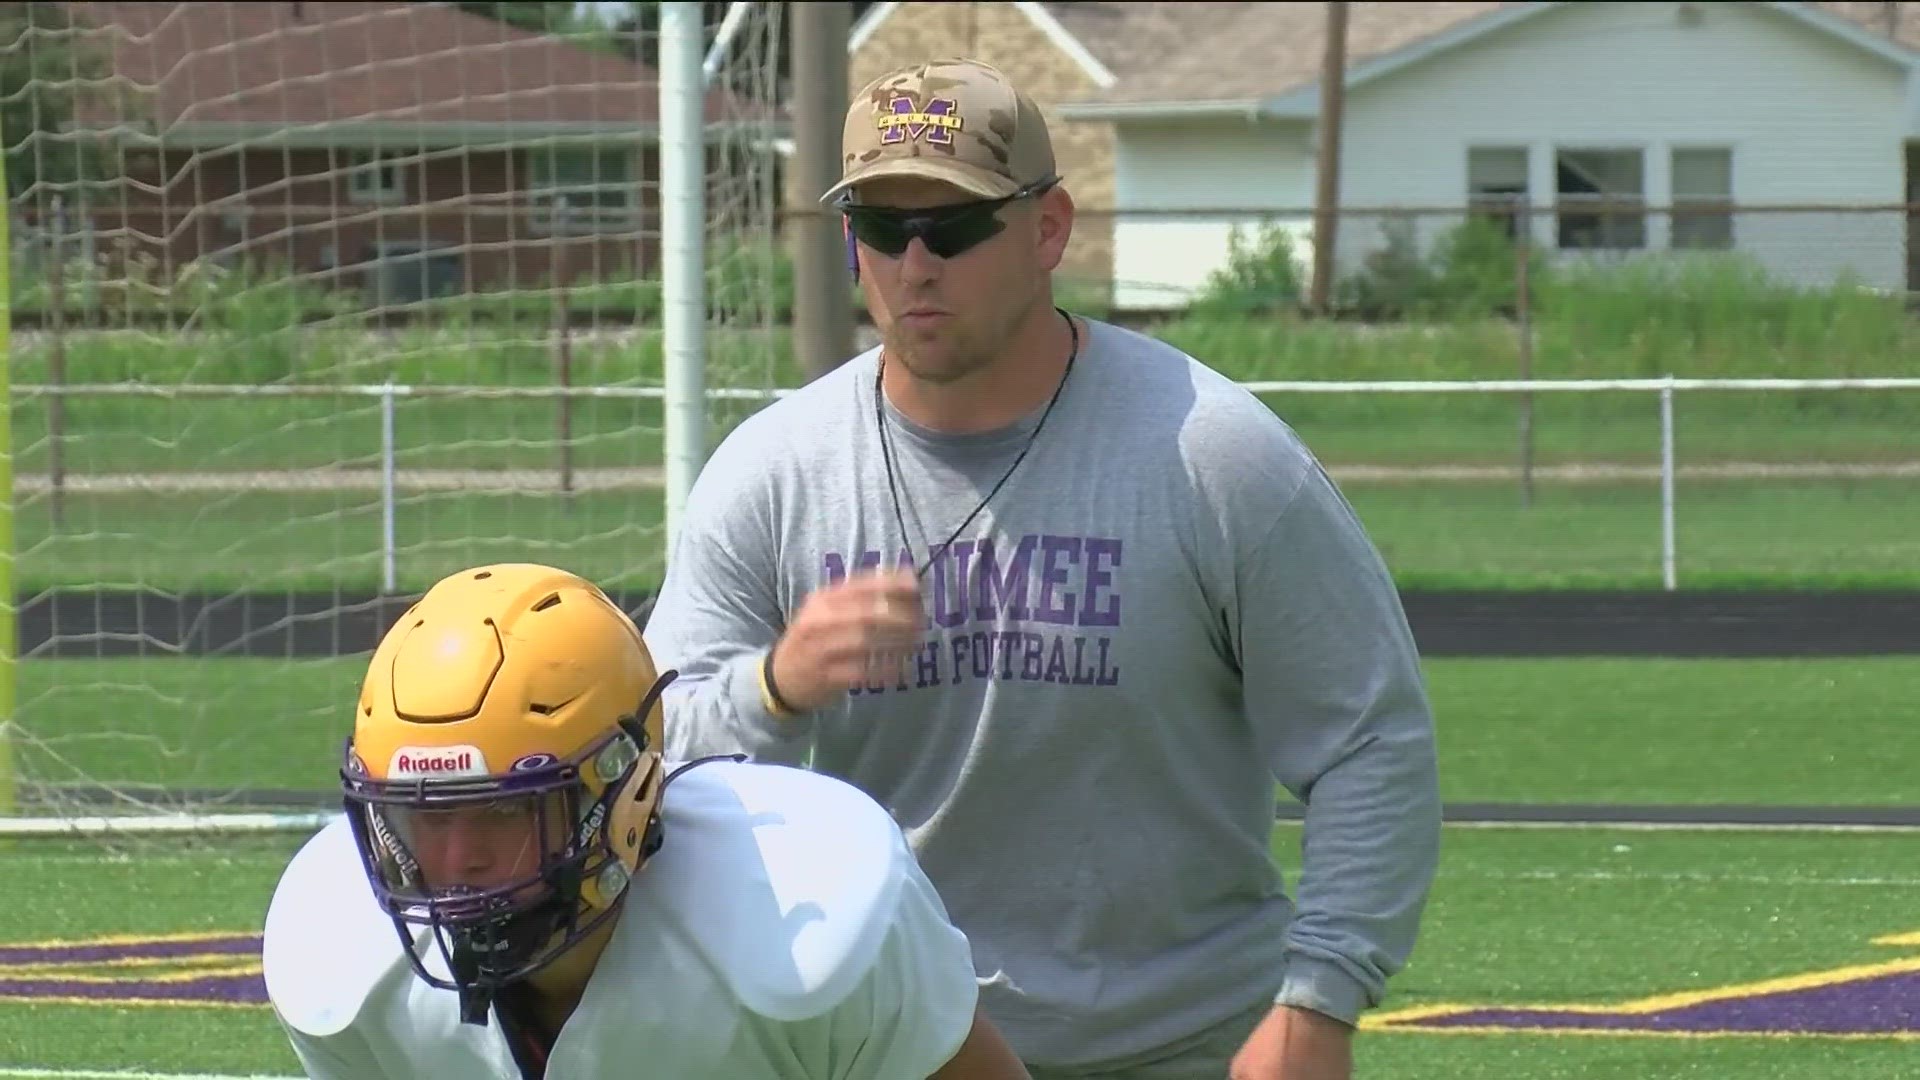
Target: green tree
x=637 y=34
x=45 y=60
x=539 y=16
x=1261 y=278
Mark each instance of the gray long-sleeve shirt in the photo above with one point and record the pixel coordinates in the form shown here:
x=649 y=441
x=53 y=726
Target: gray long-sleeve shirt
x=1167 y=608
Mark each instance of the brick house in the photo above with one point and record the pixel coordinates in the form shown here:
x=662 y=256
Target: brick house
x=410 y=147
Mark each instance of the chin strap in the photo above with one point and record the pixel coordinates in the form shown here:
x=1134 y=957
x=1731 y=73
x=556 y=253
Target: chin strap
x=475 y=1001
x=511 y=942
x=699 y=761
x=477 y=995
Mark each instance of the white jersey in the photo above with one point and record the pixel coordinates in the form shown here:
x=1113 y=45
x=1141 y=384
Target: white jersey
x=784 y=930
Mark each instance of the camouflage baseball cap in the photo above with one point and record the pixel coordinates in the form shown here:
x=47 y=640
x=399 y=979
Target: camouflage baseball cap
x=957 y=121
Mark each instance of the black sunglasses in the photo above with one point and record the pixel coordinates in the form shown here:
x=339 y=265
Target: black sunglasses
x=947 y=230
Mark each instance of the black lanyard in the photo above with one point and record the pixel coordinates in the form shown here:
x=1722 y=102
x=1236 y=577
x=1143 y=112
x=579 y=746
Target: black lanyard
x=880 y=422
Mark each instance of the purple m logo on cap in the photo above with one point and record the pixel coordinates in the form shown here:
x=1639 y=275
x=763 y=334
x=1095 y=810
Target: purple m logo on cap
x=902 y=122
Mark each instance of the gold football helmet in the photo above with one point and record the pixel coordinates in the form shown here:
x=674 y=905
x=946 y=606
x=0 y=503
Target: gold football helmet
x=504 y=773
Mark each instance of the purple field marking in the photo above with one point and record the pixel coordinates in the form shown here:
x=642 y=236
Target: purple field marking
x=1873 y=1005
x=92 y=952
x=105 y=990
x=248 y=989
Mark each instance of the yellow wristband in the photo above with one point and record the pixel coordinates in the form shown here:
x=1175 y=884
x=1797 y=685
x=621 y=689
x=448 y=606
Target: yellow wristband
x=769 y=696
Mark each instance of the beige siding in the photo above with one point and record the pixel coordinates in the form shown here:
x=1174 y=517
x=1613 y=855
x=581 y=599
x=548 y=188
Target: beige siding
x=1807 y=119
x=999 y=34
x=1222 y=174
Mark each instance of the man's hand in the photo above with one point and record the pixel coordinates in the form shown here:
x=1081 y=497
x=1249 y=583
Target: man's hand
x=843 y=632
x=1296 y=1044
x=984 y=1056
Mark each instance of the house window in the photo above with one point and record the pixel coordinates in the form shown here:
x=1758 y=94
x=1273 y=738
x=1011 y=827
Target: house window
x=1702 y=198
x=1602 y=199
x=1497 y=185
x=376 y=176
x=596 y=182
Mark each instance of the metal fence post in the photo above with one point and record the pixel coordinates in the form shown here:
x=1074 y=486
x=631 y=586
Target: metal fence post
x=563 y=342
x=388 y=467
x=1669 y=573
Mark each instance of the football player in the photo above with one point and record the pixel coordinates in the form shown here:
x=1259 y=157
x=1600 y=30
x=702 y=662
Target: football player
x=521 y=887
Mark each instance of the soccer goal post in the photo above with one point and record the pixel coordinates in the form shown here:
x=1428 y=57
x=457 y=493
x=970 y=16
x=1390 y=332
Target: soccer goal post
x=313 y=304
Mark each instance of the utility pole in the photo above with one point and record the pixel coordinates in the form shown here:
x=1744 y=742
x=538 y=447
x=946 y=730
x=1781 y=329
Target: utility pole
x=822 y=303
x=1333 y=82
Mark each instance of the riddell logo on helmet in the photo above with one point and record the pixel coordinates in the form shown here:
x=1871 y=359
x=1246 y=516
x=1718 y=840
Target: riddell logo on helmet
x=439 y=762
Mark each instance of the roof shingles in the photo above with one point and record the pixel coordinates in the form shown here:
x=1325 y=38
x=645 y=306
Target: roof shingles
x=285 y=63
x=1193 y=52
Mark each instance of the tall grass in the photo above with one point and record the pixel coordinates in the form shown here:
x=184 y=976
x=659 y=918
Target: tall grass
x=1453 y=316
x=1712 y=317
x=1709 y=317
x=1447 y=317
x=419 y=355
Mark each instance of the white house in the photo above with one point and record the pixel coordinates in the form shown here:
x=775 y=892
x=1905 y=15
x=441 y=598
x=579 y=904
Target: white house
x=1765 y=105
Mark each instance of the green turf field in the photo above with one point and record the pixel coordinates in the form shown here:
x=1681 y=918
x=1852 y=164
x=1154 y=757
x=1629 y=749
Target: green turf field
x=342 y=430
x=1730 y=533
x=1551 y=730
x=1542 y=920
x=1555 y=921
x=1723 y=941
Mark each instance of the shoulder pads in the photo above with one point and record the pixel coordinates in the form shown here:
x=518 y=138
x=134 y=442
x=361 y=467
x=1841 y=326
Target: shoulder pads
x=785 y=880
x=326 y=942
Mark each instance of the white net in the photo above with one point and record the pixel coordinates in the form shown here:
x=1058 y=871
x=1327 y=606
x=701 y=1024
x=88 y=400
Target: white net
x=314 y=303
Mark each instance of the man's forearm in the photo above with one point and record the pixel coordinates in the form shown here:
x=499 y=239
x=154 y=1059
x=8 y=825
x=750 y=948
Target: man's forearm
x=1371 y=842
x=721 y=708
x=984 y=1056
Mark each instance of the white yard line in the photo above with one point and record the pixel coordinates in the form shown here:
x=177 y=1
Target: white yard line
x=1785 y=825
x=1600 y=825
x=1632 y=877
